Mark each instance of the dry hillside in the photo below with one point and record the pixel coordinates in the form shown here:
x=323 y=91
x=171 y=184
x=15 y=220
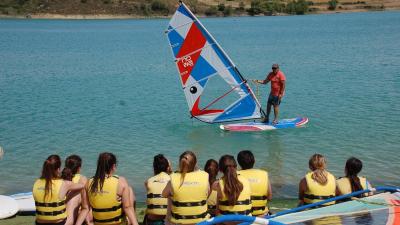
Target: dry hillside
x=151 y=8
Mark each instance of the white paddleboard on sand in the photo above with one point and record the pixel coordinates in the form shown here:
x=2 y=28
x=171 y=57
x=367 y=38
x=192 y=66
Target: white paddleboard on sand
x=8 y=207
x=25 y=202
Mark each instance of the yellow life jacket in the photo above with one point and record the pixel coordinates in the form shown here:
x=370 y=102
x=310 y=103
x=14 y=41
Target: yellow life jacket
x=212 y=202
x=156 y=204
x=51 y=207
x=243 y=204
x=259 y=182
x=317 y=192
x=105 y=206
x=189 y=200
x=76 y=178
x=344 y=186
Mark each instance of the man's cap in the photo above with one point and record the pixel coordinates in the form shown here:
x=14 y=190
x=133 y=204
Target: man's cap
x=275 y=65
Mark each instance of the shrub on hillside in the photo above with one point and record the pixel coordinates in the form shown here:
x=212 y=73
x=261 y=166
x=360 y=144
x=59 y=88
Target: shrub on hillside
x=211 y=11
x=332 y=4
x=228 y=11
x=158 y=6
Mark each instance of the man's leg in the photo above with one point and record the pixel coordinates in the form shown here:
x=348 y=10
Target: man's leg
x=276 y=114
x=266 y=120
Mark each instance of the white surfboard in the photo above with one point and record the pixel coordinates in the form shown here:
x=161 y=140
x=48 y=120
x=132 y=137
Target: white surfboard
x=8 y=207
x=25 y=202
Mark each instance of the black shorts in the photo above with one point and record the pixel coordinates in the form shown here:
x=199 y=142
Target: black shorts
x=274 y=100
x=59 y=223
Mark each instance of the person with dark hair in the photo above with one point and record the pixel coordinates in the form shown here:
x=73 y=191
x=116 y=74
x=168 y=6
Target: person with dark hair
x=50 y=191
x=233 y=190
x=318 y=184
x=352 y=182
x=156 y=204
x=278 y=83
x=211 y=168
x=77 y=206
x=187 y=191
x=110 y=196
x=261 y=191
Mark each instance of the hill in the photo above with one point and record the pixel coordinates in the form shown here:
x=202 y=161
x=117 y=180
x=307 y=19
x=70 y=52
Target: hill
x=164 y=8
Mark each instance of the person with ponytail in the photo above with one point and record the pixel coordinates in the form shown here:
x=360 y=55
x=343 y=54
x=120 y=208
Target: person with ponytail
x=110 y=196
x=50 y=191
x=77 y=206
x=156 y=204
x=233 y=190
x=187 y=192
x=211 y=168
x=352 y=182
x=318 y=184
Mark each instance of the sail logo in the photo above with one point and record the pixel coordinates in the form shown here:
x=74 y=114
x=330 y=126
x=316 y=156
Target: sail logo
x=187 y=61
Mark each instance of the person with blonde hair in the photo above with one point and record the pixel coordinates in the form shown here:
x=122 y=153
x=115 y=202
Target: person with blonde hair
x=318 y=184
x=233 y=190
x=187 y=192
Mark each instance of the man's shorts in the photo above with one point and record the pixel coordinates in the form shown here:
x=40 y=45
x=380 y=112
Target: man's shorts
x=274 y=100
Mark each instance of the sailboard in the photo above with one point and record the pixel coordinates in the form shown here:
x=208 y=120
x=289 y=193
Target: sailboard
x=215 y=90
x=259 y=126
x=200 y=61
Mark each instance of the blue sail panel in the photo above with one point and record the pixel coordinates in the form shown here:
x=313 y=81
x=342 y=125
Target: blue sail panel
x=175 y=40
x=245 y=108
x=201 y=70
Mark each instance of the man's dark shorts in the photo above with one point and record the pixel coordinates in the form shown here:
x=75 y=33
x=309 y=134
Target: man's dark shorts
x=274 y=100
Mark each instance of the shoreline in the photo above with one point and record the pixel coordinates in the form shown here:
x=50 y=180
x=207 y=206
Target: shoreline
x=125 y=16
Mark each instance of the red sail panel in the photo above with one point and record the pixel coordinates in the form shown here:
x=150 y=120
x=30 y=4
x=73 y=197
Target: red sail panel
x=194 y=41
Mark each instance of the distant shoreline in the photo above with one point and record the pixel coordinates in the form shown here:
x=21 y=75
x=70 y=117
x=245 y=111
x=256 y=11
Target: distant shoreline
x=122 y=16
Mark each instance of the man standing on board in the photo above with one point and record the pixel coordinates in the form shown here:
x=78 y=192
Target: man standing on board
x=277 y=79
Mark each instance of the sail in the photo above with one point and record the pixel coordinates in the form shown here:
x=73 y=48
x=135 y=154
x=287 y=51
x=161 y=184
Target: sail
x=201 y=61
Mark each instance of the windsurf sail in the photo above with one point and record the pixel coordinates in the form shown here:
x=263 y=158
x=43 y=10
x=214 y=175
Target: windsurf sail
x=200 y=60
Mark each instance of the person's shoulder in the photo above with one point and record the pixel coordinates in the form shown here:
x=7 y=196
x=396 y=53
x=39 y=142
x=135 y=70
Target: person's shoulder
x=83 y=179
x=282 y=75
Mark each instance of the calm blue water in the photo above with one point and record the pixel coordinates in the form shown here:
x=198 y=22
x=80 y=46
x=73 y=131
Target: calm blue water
x=86 y=87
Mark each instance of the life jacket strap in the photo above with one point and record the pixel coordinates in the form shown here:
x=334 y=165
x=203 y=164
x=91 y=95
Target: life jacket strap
x=151 y=195
x=52 y=213
x=114 y=219
x=182 y=217
x=114 y=208
x=211 y=206
x=151 y=206
x=188 y=204
x=244 y=202
x=317 y=197
x=49 y=204
x=258 y=208
x=245 y=212
x=259 y=197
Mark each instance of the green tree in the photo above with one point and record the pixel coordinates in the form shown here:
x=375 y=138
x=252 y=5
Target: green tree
x=211 y=11
x=228 y=11
x=332 y=4
x=221 y=7
x=301 y=7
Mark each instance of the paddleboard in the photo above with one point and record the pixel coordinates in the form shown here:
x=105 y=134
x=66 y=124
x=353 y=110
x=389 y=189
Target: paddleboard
x=258 y=126
x=8 y=207
x=25 y=202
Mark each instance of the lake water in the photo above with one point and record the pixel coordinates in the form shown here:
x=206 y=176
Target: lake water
x=88 y=86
